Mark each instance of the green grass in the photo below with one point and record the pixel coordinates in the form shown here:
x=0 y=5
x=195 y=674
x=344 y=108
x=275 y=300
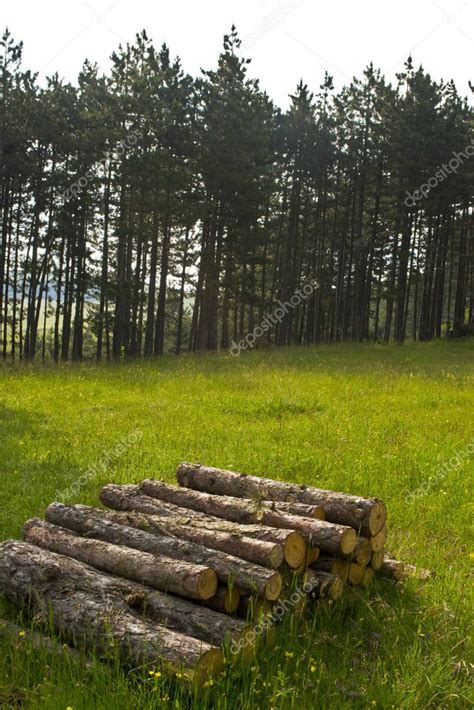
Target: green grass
x=364 y=419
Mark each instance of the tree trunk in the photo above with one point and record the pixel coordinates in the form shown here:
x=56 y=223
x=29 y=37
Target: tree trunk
x=330 y=537
x=266 y=554
x=125 y=498
x=250 y=577
x=398 y=570
x=183 y=578
x=66 y=592
x=365 y=514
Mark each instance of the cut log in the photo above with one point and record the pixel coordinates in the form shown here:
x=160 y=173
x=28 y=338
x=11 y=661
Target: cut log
x=367 y=515
x=265 y=554
x=377 y=559
x=229 y=569
x=289 y=573
x=188 y=580
x=398 y=570
x=368 y=577
x=329 y=537
x=251 y=608
x=125 y=498
x=226 y=600
x=307 y=511
x=378 y=541
x=55 y=589
x=323 y=585
x=339 y=568
x=176 y=613
x=312 y=555
x=356 y=573
x=363 y=551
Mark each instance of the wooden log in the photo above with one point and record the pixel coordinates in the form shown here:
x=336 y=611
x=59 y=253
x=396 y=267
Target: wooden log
x=363 y=551
x=307 y=511
x=251 y=608
x=174 y=612
x=226 y=600
x=323 y=585
x=329 y=537
x=377 y=559
x=356 y=573
x=312 y=555
x=229 y=569
x=367 y=515
x=55 y=589
x=261 y=552
x=368 y=578
x=398 y=570
x=339 y=568
x=188 y=580
x=126 y=498
x=378 y=541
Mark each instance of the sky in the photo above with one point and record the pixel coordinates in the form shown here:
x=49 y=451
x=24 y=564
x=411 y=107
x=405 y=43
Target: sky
x=287 y=40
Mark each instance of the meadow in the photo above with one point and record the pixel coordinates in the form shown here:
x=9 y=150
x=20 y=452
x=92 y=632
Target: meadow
x=372 y=420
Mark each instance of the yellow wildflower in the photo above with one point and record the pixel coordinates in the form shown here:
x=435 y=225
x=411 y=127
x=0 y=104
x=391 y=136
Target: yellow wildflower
x=22 y=633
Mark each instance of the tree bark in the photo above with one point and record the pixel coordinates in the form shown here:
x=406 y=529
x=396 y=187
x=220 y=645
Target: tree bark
x=226 y=600
x=229 y=569
x=266 y=554
x=398 y=570
x=188 y=580
x=368 y=515
x=126 y=498
x=65 y=592
x=330 y=537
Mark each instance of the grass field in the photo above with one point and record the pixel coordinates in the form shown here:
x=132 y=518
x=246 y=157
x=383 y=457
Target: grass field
x=371 y=420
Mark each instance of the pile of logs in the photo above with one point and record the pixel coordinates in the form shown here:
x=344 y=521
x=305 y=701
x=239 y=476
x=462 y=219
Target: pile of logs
x=180 y=574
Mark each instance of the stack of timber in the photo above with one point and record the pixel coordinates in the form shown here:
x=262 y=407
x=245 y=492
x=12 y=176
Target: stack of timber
x=180 y=574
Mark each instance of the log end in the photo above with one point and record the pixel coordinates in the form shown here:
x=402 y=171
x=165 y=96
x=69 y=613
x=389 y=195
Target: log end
x=209 y=665
x=377 y=559
x=312 y=555
x=363 y=551
x=273 y=587
x=368 y=577
x=207 y=583
x=356 y=573
x=348 y=541
x=378 y=541
x=377 y=517
x=277 y=556
x=341 y=569
x=319 y=513
x=295 y=550
x=337 y=589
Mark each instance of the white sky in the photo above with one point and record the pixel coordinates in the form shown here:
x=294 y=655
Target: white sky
x=286 y=39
